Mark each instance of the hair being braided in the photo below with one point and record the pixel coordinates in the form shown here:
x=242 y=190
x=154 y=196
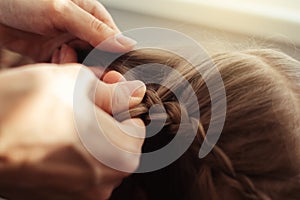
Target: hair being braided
x=252 y=159
x=222 y=163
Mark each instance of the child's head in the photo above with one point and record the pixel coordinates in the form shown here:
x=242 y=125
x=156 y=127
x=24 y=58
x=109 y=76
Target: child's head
x=258 y=153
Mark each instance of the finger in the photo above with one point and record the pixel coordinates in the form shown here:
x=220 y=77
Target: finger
x=55 y=57
x=37 y=47
x=99 y=11
x=114 y=98
x=123 y=140
x=112 y=77
x=109 y=141
x=67 y=55
x=128 y=136
x=51 y=45
x=88 y=28
x=136 y=128
x=82 y=49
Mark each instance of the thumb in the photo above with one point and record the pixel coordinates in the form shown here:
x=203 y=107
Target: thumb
x=114 y=98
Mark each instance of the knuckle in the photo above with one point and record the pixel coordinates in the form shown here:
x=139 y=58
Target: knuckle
x=56 y=7
x=99 y=26
x=106 y=21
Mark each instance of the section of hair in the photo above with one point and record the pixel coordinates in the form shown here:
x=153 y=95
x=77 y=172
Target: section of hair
x=257 y=155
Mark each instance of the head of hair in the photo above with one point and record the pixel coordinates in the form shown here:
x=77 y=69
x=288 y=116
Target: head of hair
x=257 y=155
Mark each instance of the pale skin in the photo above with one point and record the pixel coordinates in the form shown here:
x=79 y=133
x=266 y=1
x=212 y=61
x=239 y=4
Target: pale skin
x=41 y=155
x=38 y=28
x=37 y=128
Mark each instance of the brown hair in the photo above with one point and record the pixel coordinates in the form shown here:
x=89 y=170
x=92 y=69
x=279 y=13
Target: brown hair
x=257 y=154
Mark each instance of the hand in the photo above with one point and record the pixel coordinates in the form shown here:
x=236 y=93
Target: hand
x=38 y=28
x=41 y=156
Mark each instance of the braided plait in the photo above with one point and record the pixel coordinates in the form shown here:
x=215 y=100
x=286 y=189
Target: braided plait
x=218 y=160
x=175 y=113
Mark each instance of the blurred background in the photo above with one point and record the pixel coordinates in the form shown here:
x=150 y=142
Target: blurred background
x=218 y=25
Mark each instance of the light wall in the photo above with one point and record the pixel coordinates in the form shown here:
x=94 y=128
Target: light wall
x=213 y=39
x=279 y=19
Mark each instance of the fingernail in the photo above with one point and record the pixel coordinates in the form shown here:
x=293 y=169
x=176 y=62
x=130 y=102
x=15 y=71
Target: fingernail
x=128 y=93
x=63 y=52
x=135 y=90
x=139 y=90
x=125 y=41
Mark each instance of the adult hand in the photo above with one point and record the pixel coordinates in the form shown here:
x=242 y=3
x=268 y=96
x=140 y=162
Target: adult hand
x=37 y=28
x=41 y=156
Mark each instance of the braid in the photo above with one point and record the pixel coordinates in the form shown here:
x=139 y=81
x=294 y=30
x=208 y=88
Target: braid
x=217 y=160
x=175 y=113
x=220 y=161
